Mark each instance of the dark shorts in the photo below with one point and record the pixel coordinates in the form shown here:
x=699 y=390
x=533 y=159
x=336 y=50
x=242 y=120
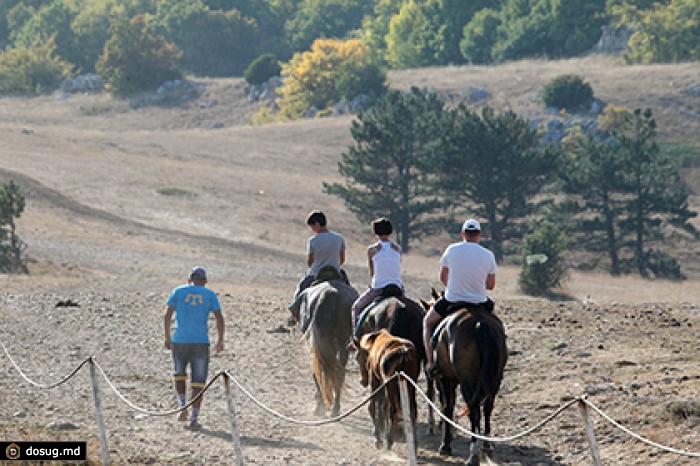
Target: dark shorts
x=444 y=307
x=194 y=354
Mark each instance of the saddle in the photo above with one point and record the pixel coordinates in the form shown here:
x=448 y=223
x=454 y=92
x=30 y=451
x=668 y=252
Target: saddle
x=389 y=291
x=454 y=307
x=326 y=274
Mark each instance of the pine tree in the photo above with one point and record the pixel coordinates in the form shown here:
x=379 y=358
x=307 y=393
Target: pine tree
x=592 y=176
x=655 y=196
x=389 y=169
x=493 y=169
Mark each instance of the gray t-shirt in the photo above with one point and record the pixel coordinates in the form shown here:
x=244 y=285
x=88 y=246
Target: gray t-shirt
x=326 y=246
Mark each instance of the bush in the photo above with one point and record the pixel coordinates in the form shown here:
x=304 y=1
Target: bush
x=32 y=70
x=663 y=266
x=567 y=91
x=262 y=68
x=11 y=246
x=136 y=60
x=543 y=266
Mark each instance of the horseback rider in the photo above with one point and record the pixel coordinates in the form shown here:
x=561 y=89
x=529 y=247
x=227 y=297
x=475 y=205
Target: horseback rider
x=468 y=271
x=324 y=248
x=384 y=260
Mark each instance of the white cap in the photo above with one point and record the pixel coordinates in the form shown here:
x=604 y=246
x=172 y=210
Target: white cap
x=471 y=225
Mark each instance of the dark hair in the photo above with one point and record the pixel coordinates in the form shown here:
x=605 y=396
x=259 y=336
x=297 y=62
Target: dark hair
x=382 y=226
x=316 y=217
x=472 y=233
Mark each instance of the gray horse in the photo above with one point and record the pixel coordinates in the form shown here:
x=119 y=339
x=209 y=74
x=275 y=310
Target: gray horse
x=325 y=320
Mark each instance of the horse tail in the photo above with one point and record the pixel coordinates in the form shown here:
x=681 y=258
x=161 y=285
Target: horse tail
x=490 y=348
x=326 y=367
x=393 y=361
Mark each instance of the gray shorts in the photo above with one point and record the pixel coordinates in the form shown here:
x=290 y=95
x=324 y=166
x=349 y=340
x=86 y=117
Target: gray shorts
x=194 y=354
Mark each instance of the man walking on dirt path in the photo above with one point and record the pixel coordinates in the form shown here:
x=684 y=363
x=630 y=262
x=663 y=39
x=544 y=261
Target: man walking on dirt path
x=192 y=304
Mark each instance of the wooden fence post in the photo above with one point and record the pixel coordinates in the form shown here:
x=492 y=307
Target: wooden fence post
x=593 y=446
x=235 y=434
x=407 y=424
x=104 y=449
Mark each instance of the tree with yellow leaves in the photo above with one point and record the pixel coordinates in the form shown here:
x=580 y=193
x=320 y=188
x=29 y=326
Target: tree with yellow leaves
x=332 y=70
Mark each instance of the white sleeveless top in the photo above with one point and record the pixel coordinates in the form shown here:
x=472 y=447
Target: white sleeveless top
x=387 y=266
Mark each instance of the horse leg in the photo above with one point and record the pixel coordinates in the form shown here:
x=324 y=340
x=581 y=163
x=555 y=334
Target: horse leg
x=447 y=392
x=320 y=405
x=488 y=408
x=431 y=397
x=390 y=415
x=475 y=444
x=379 y=419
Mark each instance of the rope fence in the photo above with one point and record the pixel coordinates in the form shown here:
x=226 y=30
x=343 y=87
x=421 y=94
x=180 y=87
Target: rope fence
x=96 y=369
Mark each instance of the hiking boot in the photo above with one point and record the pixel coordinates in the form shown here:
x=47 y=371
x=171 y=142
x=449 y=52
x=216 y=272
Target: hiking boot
x=194 y=425
x=182 y=417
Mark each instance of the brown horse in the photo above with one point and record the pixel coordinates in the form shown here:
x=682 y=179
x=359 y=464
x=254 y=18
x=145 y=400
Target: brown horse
x=401 y=317
x=472 y=354
x=381 y=356
x=326 y=322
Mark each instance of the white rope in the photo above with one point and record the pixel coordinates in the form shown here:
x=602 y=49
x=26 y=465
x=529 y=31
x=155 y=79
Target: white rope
x=315 y=422
x=155 y=413
x=482 y=437
x=347 y=413
x=39 y=385
x=637 y=436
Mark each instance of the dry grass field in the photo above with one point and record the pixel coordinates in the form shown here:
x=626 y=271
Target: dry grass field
x=121 y=203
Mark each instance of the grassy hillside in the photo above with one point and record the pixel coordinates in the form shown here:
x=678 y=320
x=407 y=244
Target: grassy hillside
x=259 y=182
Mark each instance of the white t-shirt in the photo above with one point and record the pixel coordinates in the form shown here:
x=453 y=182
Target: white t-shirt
x=468 y=265
x=387 y=266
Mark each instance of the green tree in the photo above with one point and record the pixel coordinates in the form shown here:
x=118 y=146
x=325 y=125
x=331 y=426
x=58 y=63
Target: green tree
x=552 y=28
x=493 y=165
x=389 y=169
x=32 y=70
x=412 y=40
x=543 y=265
x=655 y=196
x=212 y=42
x=14 y=19
x=666 y=33
x=375 y=27
x=11 y=246
x=135 y=59
x=479 y=36
x=332 y=19
x=52 y=20
x=91 y=27
x=592 y=177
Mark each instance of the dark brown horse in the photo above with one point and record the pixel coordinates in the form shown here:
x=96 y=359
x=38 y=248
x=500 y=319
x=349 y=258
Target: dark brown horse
x=325 y=319
x=401 y=317
x=472 y=354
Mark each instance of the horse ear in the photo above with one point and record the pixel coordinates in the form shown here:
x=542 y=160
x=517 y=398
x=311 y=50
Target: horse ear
x=425 y=305
x=434 y=294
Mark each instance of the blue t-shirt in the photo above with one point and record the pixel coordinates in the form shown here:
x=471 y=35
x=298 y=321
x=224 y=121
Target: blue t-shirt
x=192 y=307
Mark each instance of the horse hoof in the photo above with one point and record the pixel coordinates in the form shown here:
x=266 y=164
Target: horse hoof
x=379 y=444
x=445 y=450
x=473 y=460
